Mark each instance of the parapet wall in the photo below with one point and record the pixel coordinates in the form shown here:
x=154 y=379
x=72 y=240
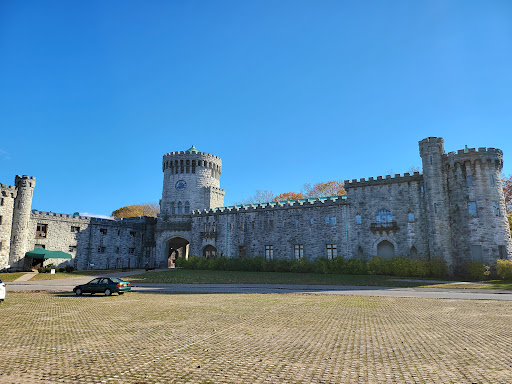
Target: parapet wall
x=471 y=154
x=388 y=179
x=93 y=220
x=272 y=206
x=202 y=159
x=8 y=190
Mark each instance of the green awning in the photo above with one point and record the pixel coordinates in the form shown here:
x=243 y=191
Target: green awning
x=43 y=254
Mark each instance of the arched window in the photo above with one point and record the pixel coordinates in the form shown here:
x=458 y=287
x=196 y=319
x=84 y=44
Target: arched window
x=384 y=216
x=411 y=217
x=173 y=209
x=180 y=208
x=358 y=218
x=413 y=253
x=187 y=208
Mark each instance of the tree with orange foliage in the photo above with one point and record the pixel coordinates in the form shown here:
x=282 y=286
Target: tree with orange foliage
x=289 y=196
x=507 y=191
x=148 y=209
x=323 y=189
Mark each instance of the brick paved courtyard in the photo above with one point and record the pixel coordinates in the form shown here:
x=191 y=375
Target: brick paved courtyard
x=163 y=338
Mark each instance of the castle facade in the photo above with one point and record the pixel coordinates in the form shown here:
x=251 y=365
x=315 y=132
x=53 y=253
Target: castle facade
x=455 y=210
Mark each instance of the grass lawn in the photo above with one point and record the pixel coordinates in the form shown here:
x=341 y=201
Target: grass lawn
x=184 y=276
x=67 y=275
x=488 y=284
x=10 y=276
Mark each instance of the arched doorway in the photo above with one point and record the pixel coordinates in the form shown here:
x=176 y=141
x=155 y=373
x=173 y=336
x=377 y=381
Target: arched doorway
x=209 y=252
x=178 y=247
x=385 y=249
x=413 y=253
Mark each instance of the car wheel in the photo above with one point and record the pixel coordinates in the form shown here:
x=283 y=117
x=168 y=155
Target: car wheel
x=108 y=292
x=78 y=292
x=120 y=293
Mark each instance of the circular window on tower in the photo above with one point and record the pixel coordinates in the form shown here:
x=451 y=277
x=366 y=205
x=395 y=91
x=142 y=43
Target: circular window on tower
x=181 y=185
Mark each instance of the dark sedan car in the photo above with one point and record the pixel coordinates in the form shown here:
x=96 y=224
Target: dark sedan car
x=106 y=285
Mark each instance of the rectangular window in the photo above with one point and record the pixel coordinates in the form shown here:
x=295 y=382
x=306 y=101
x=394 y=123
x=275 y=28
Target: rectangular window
x=241 y=251
x=333 y=220
x=2 y=201
x=131 y=251
x=298 y=251
x=496 y=208
x=0 y=220
x=476 y=253
x=269 y=252
x=75 y=229
x=117 y=249
x=271 y=223
x=411 y=217
x=253 y=224
x=491 y=179
x=472 y=208
x=103 y=231
x=242 y=225
x=72 y=248
x=358 y=219
x=326 y=220
x=469 y=180
x=311 y=221
x=40 y=246
x=41 y=230
x=101 y=249
x=0 y=245
x=133 y=233
x=118 y=232
x=332 y=251
x=502 y=250
x=435 y=207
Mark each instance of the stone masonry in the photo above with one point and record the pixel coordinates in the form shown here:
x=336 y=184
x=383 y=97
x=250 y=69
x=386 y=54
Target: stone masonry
x=454 y=210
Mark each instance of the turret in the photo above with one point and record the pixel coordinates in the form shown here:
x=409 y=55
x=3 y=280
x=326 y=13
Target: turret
x=20 y=240
x=7 y=196
x=191 y=182
x=436 y=197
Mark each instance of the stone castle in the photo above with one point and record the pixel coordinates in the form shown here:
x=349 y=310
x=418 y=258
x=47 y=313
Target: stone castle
x=454 y=210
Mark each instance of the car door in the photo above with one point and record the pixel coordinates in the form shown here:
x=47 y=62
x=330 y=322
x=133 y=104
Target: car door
x=91 y=286
x=102 y=285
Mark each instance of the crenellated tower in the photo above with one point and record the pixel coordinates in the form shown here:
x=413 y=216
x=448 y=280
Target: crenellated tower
x=7 y=196
x=435 y=190
x=20 y=241
x=191 y=182
x=480 y=230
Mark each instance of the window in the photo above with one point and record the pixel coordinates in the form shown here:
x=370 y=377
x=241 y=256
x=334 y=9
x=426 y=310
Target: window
x=241 y=251
x=117 y=249
x=298 y=251
x=411 y=217
x=133 y=233
x=496 y=208
x=40 y=246
x=72 y=248
x=435 y=207
x=421 y=189
x=502 y=251
x=332 y=251
x=384 y=216
x=2 y=201
x=476 y=253
x=214 y=226
x=180 y=208
x=469 y=180
x=269 y=252
x=101 y=249
x=0 y=220
x=491 y=179
x=472 y=208
x=118 y=232
x=326 y=220
x=311 y=221
x=103 y=231
x=333 y=220
x=75 y=229
x=430 y=160
x=187 y=208
x=0 y=245
x=253 y=224
x=242 y=225
x=272 y=223
x=173 y=208
x=41 y=230
x=131 y=251
x=358 y=219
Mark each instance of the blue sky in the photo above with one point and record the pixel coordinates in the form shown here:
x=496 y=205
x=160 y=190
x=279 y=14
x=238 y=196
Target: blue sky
x=92 y=94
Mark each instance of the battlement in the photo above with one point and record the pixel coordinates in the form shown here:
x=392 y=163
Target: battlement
x=183 y=160
x=26 y=177
x=472 y=154
x=431 y=140
x=8 y=191
x=220 y=191
x=192 y=155
x=42 y=214
x=388 y=179
x=274 y=205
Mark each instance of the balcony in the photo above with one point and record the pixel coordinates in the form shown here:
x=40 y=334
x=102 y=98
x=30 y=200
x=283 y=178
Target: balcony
x=208 y=235
x=390 y=226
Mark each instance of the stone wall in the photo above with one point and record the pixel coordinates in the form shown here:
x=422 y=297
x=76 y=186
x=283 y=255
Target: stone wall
x=7 y=196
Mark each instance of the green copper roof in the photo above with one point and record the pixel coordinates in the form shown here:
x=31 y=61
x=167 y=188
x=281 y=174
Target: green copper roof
x=192 y=149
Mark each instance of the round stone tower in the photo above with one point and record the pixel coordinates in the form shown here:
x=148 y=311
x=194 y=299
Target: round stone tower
x=480 y=230
x=435 y=192
x=191 y=182
x=20 y=235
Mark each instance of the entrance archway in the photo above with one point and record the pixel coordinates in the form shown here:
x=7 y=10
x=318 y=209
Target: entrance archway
x=178 y=247
x=386 y=249
x=209 y=252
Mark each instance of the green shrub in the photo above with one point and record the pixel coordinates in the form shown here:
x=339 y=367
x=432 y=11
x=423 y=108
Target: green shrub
x=62 y=269
x=477 y=270
x=379 y=266
x=504 y=269
x=301 y=266
x=355 y=267
x=419 y=268
x=437 y=267
x=69 y=268
x=322 y=265
x=41 y=270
